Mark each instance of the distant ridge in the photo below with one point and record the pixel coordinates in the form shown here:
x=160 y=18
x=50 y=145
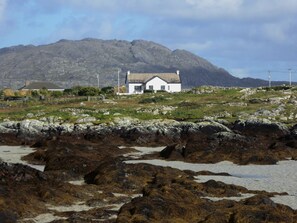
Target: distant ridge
x=78 y=62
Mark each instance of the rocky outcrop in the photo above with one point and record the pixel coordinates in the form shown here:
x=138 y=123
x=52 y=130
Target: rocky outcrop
x=237 y=148
x=132 y=131
x=28 y=195
x=25 y=190
x=250 y=141
x=261 y=127
x=179 y=199
x=129 y=178
x=70 y=158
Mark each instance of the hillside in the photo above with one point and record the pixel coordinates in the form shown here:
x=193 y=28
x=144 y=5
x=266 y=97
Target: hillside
x=68 y=63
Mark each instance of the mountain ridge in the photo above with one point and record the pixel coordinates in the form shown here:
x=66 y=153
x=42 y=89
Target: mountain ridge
x=78 y=62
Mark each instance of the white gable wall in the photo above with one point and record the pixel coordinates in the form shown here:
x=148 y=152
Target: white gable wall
x=156 y=82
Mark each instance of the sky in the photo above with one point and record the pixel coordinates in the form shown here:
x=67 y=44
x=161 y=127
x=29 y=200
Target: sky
x=248 y=38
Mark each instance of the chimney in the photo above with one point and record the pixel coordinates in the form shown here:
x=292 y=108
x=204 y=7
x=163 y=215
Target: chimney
x=27 y=83
x=177 y=72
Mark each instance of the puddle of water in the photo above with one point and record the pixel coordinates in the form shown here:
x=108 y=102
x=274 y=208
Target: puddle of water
x=43 y=218
x=239 y=198
x=143 y=151
x=79 y=206
x=77 y=182
x=13 y=154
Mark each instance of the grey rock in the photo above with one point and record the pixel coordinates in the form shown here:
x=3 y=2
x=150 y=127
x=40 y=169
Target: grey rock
x=86 y=120
x=32 y=127
x=143 y=131
x=211 y=127
x=8 y=127
x=261 y=125
x=228 y=136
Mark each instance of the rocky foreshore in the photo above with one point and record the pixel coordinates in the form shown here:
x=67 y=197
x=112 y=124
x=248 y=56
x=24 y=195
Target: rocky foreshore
x=243 y=142
x=115 y=191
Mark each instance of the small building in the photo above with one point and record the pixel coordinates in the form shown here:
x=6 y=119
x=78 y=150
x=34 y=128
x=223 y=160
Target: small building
x=36 y=86
x=137 y=83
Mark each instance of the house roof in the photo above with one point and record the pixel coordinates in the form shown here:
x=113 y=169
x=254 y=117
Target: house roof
x=145 y=77
x=41 y=85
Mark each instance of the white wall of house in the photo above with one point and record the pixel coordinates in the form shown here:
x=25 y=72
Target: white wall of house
x=135 y=88
x=174 y=87
x=156 y=84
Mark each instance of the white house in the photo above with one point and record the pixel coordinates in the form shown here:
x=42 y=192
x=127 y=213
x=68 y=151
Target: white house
x=137 y=83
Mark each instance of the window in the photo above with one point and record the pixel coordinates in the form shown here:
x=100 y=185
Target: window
x=137 y=88
x=163 y=87
x=151 y=87
x=168 y=87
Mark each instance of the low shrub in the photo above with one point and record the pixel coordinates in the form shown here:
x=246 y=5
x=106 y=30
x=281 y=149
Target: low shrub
x=152 y=100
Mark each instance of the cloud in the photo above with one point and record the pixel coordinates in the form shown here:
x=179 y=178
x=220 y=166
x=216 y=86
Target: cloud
x=240 y=72
x=196 y=46
x=2 y=9
x=76 y=28
x=271 y=8
x=191 y=9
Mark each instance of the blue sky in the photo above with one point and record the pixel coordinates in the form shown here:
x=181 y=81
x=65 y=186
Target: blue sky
x=245 y=37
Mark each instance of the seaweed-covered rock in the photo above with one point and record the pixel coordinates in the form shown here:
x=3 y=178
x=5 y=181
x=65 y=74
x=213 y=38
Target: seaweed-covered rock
x=181 y=200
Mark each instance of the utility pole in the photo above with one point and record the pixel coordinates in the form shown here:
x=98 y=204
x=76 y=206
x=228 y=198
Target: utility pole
x=98 y=81
x=290 y=76
x=269 y=78
x=118 y=81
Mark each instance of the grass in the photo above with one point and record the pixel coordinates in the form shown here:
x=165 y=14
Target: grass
x=223 y=103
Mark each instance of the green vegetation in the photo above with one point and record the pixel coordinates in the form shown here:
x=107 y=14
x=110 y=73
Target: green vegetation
x=83 y=91
x=153 y=99
x=277 y=103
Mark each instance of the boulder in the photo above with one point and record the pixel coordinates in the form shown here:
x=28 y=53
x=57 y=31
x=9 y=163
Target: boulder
x=114 y=174
x=261 y=127
x=31 y=128
x=211 y=127
x=76 y=157
x=8 y=127
x=175 y=152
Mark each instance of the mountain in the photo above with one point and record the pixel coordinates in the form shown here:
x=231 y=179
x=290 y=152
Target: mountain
x=69 y=63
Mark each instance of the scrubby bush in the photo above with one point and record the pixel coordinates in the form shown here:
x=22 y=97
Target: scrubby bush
x=88 y=91
x=82 y=91
x=278 y=88
x=107 y=90
x=152 y=100
x=56 y=94
x=148 y=91
x=68 y=91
